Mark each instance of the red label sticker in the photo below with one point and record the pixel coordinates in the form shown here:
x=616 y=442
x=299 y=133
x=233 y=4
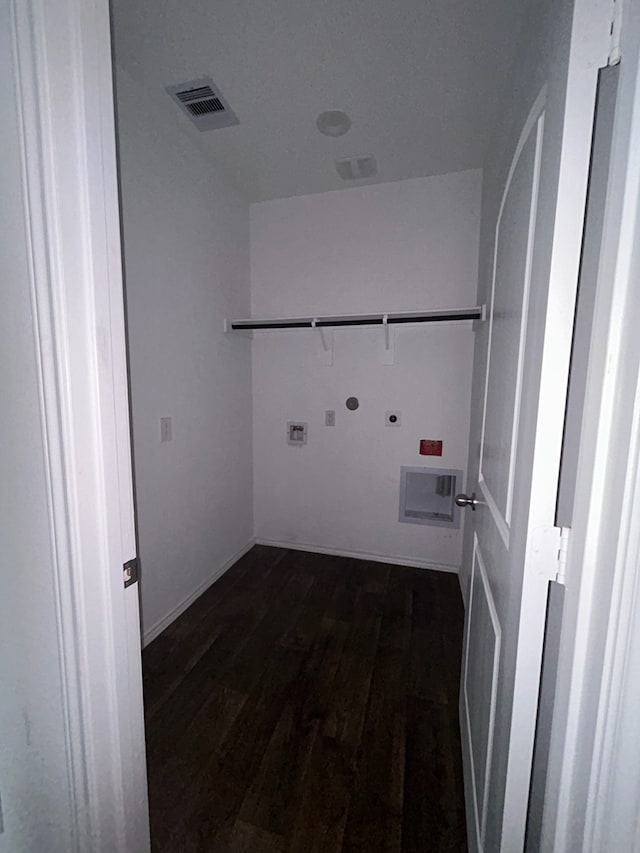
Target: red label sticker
x=430 y=447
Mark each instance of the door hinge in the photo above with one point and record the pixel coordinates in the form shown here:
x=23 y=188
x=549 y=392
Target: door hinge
x=548 y=550
x=130 y=572
x=614 y=32
x=563 y=549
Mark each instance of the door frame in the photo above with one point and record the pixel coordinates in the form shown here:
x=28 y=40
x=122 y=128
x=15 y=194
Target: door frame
x=64 y=103
x=592 y=780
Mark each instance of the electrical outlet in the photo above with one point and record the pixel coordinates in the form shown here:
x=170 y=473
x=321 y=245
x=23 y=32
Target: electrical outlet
x=330 y=417
x=166 y=429
x=393 y=419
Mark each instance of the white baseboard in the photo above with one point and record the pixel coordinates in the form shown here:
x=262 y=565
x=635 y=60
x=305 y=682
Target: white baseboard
x=362 y=555
x=163 y=623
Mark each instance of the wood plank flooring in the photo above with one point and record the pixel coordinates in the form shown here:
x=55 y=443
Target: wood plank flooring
x=308 y=703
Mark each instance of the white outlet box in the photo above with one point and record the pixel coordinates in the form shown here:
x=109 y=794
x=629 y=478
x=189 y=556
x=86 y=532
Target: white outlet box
x=393 y=419
x=330 y=417
x=297 y=433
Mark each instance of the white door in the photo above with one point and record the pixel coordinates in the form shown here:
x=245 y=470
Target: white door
x=523 y=377
x=489 y=665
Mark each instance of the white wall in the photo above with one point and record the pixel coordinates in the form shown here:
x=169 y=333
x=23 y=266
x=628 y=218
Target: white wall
x=409 y=245
x=186 y=246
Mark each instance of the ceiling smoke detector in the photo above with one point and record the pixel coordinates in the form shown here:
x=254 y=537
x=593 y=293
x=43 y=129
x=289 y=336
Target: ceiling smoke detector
x=333 y=123
x=357 y=168
x=203 y=102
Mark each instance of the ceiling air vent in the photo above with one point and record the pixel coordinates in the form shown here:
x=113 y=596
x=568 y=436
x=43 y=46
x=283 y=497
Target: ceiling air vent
x=203 y=102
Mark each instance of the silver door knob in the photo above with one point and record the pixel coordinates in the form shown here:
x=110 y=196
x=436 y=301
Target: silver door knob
x=465 y=500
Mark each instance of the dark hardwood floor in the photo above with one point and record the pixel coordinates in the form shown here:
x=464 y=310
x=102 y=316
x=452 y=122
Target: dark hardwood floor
x=308 y=703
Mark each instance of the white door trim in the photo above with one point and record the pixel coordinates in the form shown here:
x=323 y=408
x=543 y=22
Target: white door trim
x=62 y=64
x=593 y=783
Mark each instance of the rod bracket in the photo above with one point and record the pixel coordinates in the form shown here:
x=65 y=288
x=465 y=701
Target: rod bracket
x=387 y=337
x=323 y=336
x=387 y=353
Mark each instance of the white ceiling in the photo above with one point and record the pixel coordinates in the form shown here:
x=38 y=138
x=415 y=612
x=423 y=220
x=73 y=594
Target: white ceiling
x=420 y=79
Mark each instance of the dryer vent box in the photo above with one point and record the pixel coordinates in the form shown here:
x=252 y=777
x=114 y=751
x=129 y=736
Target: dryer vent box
x=427 y=496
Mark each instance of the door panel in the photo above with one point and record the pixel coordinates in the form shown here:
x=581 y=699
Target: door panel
x=508 y=323
x=480 y=683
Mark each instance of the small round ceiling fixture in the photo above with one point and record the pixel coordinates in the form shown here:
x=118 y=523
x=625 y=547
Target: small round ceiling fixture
x=333 y=123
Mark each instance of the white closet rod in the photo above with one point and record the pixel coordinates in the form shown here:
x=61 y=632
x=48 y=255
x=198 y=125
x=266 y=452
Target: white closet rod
x=442 y=315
